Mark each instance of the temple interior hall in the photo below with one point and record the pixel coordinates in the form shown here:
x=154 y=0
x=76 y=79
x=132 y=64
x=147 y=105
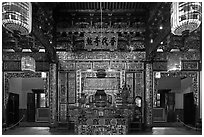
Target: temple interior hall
x=101 y=68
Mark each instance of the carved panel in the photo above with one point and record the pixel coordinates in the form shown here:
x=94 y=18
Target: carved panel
x=100 y=65
x=190 y=65
x=16 y=66
x=42 y=66
x=129 y=82
x=114 y=74
x=192 y=56
x=101 y=83
x=98 y=55
x=160 y=56
x=66 y=65
x=12 y=66
x=135 y=56
x=71 y=88
x=189 y=55
x=117 y=65
x=139 y=88
x=135 y=66
x=63 y=113
x=66 y=55
x=78 y=85
x=122 y=78
x=137 y=44
x=139 y=84
x=83 y=65
x=17 y=56
x=62 y=87
x=160 y=66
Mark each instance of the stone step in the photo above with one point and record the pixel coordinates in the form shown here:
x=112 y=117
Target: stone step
x=167 y=124
x=34 y=124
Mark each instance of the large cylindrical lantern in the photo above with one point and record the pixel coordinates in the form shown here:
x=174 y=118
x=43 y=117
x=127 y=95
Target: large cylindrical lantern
x=28 y=64
x=185 y=16
x=17 y=17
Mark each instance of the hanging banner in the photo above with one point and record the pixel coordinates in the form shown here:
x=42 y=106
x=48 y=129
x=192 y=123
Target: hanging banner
x=98 y=41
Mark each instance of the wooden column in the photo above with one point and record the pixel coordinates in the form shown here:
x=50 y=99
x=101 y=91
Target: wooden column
x=53 y=95
x=148 y=95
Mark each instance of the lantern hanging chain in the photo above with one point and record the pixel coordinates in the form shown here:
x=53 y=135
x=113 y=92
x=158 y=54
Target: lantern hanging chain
x=101 y=17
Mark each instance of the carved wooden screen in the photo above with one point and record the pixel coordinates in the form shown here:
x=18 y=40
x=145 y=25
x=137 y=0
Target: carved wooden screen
x=67 y=94
x=135 y=80
x=62 y=97
x=71 y=88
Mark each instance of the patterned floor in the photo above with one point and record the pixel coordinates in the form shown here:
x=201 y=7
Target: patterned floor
x=47 y=131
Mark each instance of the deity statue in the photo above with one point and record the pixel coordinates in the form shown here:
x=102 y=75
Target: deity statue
x=125 y=94
x=101 y=99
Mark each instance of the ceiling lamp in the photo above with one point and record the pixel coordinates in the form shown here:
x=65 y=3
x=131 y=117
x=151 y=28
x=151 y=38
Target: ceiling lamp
x=28 y=64
x=185 y=17
x=17 y=17
x=173 y=62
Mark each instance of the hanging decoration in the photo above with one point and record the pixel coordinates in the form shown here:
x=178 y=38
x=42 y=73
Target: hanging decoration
x=17 y=17
x=185 y=17
x=28 y=64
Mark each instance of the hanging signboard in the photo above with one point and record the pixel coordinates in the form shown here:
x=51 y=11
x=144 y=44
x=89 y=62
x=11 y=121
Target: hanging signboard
x=101 y=41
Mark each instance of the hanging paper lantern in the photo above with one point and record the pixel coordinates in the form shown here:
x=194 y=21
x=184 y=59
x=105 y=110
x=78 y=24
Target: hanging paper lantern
x=28 y=64
x=185 y=16
x=17 y=17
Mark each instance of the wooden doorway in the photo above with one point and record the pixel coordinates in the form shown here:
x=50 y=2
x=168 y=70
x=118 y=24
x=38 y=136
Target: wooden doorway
x=30 y=107
x=189 y=109
x=13 y=109
x=171 y=117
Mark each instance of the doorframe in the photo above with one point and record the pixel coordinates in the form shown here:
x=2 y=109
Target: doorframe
x=8 y=75
x=195 y=84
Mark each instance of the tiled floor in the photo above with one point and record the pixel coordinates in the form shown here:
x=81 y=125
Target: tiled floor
x=47 y=131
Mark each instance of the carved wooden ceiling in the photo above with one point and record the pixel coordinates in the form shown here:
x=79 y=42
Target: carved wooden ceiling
x=63 y=26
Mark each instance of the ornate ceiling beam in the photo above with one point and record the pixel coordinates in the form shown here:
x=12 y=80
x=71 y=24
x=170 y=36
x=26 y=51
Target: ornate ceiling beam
x=15 y=56
x=40 y=35
x=164 y=10
x=49 y=48
x=152 y=14
x=161 y=36
x=88 y=11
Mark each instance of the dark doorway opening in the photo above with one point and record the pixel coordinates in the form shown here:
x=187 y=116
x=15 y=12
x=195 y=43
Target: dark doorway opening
x=189 y=109
x=171 y=117
x=12 y=109
x=30 y=107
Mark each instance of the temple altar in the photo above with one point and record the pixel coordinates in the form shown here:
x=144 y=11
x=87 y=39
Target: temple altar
x=102 y=120
x=98 y=115
x=105 y=104
x=102 y=126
